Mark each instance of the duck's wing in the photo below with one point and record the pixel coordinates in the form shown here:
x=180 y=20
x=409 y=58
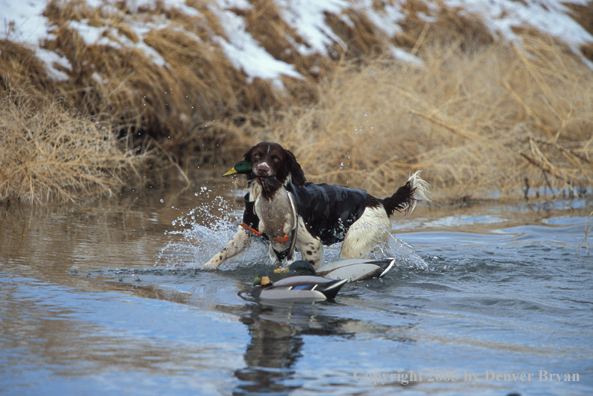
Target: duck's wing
x=356 y=269
x=295 y=223
x=331 y=289
x=295 y=213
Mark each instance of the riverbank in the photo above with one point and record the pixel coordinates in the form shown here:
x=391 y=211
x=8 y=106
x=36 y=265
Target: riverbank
x=109 y=96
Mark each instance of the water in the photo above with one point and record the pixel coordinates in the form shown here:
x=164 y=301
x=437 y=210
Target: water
x=110 y=298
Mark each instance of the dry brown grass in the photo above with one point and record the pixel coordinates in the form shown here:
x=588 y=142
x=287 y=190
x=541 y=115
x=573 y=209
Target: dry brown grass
x=199 y=86
x=478 y=122
x=169 y=104
x=49 y=154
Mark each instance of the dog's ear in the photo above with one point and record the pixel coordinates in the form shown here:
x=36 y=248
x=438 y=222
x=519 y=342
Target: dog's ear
x=296 y=172
x=247 y=156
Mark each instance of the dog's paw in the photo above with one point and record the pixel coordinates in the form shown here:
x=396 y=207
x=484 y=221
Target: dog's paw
x=211 y=265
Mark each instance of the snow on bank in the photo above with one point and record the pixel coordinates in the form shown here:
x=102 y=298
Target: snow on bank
x=23 y=22
x=245 y=52
x=549 y=16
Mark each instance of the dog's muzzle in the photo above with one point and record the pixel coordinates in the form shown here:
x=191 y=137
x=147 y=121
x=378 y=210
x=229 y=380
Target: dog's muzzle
x=263 y=170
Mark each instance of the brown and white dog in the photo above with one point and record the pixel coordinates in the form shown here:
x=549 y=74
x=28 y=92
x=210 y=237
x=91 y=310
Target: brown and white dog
x=326 y=213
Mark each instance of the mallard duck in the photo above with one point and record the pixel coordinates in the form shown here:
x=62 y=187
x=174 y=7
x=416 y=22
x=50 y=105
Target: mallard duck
x=311 y=288
x=278 y=218
x=276 y=210
x=351 y=269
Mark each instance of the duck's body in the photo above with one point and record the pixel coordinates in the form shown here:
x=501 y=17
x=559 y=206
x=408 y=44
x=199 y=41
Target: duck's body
x=351 y=270
x=277 y=214
x=296 y=288
x=276 y=210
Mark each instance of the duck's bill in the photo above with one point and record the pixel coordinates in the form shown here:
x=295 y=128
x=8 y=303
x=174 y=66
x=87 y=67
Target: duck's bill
x=231 y=172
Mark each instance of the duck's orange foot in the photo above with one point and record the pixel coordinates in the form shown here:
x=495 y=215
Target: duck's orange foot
x=253 y=230
x=283 y=239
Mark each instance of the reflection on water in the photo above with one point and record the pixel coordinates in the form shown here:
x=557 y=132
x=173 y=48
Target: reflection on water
x=111 y=299
x=276 y=344
x=271 y=353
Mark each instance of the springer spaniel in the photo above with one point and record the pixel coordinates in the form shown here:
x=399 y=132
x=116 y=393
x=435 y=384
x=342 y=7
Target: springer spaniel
x=326 y=213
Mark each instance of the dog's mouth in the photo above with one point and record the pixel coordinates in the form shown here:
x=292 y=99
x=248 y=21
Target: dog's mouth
x=261 y=179
x=264 y=174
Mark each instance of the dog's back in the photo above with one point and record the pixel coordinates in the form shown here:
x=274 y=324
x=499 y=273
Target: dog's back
x=328 y=210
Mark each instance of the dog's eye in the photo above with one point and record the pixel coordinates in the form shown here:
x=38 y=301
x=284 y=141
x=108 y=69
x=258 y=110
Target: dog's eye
x=256 y=157
x=275 y=159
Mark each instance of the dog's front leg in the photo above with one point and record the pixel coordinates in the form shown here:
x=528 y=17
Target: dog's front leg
x=233 y=247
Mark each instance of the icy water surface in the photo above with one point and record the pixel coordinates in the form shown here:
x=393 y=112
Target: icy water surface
x=110 y=299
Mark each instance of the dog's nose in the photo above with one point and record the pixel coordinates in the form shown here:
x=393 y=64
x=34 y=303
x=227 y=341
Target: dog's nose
x=262 y=169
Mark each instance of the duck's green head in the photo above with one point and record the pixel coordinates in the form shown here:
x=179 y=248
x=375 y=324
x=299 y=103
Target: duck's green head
x=241 y=168
x=262 y=278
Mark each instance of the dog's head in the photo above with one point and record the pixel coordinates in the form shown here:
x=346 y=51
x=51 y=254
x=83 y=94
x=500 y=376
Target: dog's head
x=273 y=160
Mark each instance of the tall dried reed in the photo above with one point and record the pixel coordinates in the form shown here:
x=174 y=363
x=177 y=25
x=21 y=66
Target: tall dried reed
x=50 y=154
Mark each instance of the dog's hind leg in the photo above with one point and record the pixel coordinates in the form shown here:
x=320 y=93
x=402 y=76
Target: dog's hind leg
x=370 y=230
x=232 y=248
x=310 y=247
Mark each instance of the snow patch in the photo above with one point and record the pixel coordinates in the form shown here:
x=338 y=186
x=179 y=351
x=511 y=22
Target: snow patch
x=404 y=56
x=246 y=53
x=549 y=16
x=307 y=17
x=50 y=59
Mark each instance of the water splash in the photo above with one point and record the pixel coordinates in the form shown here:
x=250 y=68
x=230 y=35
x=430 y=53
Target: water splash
x=405 y=255
x=206 y=229
x=203 y=232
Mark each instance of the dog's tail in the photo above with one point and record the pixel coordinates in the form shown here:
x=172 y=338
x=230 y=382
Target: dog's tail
x=404 y=198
